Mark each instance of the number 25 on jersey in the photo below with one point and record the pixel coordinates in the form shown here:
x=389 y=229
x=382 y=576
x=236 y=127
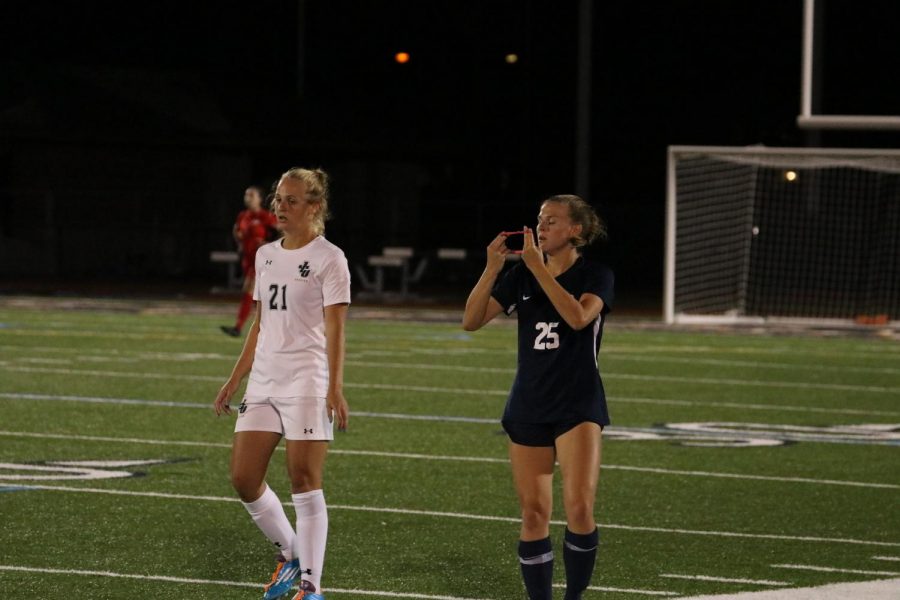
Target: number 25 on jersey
x=546 y=339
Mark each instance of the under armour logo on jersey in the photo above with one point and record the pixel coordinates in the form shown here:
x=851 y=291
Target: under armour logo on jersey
x=268 y=261
x=305 y=430
x=304 y=269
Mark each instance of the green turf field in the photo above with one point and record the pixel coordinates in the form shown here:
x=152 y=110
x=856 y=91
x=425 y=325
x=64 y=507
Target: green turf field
x=734 y=463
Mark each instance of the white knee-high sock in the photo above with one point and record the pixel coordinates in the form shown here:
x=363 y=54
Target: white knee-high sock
x=268 y=514
x=312 y=533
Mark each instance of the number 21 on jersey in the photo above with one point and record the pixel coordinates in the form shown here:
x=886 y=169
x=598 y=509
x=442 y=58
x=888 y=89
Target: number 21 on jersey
x=273 y=299
x=546 y=339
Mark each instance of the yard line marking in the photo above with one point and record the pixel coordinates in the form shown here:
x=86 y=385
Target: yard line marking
x=95 y=355
x=882 y=589
x=597 y=588
x=612 y=355
x=775 y=407
x=749 y=382
x=890 y=558
x=669 y=378
x=679 y=431
x=438 y=457
x=890 y=486
x=835 y=570
x=621 y=399
x=471 y=516
x=725 y=579
x=170 y=579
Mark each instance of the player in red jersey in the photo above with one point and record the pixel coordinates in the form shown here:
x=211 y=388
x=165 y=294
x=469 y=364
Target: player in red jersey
x=252 y=229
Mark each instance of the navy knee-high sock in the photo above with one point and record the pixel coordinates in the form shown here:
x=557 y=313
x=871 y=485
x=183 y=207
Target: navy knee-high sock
x=536 y=560
x=579 y=555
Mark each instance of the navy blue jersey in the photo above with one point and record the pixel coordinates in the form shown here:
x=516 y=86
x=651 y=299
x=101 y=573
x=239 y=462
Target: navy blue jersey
x=557 y=378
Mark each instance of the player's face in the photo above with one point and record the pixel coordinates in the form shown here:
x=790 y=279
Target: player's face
x=252 y=199
x=293 y=211
x=555 y=227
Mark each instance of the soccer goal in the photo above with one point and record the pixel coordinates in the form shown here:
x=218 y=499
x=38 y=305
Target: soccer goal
x=758 y=234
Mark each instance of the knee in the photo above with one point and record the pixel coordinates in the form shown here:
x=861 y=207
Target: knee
x=535 y=514
x=249 y=487
x=304 y=480
x=580 y=513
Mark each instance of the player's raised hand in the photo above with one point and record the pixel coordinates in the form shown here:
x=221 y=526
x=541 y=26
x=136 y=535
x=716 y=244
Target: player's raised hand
x=222 y=404
x=531 y=253
x=496 y=253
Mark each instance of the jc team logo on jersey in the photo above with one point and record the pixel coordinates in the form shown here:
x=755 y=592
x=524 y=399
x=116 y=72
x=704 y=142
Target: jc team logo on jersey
x=304 y=269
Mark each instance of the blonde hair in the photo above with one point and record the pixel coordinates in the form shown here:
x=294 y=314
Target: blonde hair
x=581 y=213
x=317 y=192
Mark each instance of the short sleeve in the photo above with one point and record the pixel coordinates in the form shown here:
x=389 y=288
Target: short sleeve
x=506 y=289
x=256 y=260
x=600 y=281
x=336 y=282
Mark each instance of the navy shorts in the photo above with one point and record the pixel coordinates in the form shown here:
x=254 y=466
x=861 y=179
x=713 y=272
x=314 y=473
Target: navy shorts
x=539 y=434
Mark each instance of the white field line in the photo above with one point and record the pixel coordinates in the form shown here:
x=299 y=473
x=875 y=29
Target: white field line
x=438 y=457
x=836 y=570
x=396 y=416
x=417 y=337
x=141 y=355
x=597 y=588
x=612 y=399
x=469 y=391
x=166 y=578
x=888 y=558
x=95 y=355
x=883 y=589
x=475 y=517
x=725 y=579
x=753 y=364
x=886 y=350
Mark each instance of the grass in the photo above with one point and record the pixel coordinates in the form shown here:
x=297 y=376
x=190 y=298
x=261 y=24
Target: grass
x=425 y=507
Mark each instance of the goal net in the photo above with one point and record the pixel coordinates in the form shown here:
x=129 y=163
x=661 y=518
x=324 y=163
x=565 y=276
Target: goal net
x=755 y=234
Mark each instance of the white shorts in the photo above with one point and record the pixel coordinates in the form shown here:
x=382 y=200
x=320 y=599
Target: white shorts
x=297 y=418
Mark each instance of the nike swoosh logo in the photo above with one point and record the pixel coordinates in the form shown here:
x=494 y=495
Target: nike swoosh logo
x=524 y=298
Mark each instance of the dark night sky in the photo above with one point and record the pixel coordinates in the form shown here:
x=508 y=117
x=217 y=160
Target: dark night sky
x=677 y=72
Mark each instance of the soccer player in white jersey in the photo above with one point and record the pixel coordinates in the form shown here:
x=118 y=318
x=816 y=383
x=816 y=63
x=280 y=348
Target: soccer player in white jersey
x=294 y=354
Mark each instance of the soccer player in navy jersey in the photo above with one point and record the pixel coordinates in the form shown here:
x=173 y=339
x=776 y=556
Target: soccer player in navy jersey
x=556 y=409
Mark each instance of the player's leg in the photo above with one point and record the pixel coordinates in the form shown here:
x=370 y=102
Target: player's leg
x=308 y=432
x=306 y=461
x=246 y=305
x=532 y=468
x=578 y=453
x=257 y=434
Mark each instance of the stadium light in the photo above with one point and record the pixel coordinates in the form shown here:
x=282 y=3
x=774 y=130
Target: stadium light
x=402 y=57
x=511 y=58
x=790 y=176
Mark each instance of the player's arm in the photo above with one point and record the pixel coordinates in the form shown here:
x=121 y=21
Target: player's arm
x=241 y=368
x=577 y=313
x=236 y=232
x=335 y=320
x=481 y=307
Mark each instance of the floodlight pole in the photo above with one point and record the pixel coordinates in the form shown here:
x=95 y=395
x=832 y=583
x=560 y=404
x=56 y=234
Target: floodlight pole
x=583 y=100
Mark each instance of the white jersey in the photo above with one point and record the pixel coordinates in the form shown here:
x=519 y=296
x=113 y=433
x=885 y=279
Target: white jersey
x=293 y=288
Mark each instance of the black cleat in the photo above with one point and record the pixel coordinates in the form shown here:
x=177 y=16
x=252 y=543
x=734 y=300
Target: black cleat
x=232 y=331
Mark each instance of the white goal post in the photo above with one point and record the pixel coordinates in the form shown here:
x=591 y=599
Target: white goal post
x=756 y=234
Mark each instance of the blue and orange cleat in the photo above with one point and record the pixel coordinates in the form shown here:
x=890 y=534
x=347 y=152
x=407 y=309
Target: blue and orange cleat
x=307 y=592
x=282 y=579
